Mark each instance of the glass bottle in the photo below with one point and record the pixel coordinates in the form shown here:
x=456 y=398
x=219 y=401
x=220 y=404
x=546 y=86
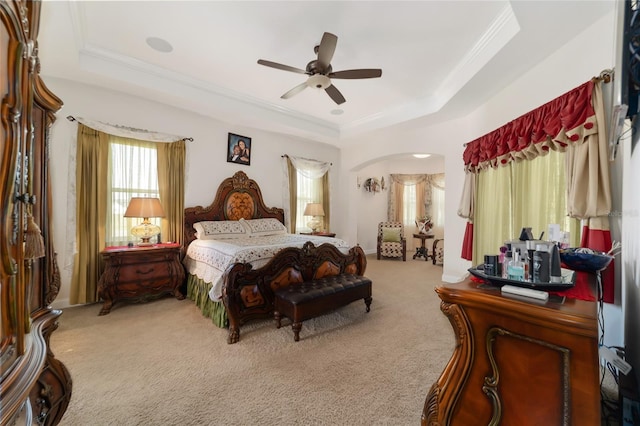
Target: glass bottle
x=516 y=268
x=505 y=264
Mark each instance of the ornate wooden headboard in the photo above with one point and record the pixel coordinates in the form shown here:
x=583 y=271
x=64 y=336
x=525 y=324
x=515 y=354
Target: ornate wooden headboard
x=237 y=197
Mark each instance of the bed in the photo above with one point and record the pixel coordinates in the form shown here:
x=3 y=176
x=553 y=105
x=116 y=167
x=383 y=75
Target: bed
x=237 y=227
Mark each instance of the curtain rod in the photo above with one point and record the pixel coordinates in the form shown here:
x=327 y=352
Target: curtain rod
x=72 y=118
x=285 y=155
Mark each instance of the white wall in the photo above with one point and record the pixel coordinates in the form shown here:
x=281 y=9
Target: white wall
x=206 y=156
x=631 y=251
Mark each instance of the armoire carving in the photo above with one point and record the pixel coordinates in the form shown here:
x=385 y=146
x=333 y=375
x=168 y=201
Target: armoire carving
x=35 y=387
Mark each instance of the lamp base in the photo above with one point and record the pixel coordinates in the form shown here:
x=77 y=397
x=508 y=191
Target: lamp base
x=314 y=224
x=145 y=231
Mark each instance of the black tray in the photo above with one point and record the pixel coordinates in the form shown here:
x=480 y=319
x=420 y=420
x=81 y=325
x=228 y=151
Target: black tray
x=568 y=275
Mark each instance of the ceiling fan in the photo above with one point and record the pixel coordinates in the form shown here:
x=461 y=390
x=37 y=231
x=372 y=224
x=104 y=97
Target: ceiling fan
x=320 y=71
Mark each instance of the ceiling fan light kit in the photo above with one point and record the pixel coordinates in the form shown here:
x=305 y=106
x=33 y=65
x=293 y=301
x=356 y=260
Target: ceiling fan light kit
x=320 y=71
x=319 y=81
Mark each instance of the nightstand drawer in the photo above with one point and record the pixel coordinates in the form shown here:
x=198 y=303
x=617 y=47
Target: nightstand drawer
x=140 y=274
x=144 y=271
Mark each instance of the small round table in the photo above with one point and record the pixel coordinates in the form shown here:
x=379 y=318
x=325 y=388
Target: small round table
x=422 y=251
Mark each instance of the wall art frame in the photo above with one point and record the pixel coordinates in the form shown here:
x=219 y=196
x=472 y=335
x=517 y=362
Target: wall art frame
x=239 y=149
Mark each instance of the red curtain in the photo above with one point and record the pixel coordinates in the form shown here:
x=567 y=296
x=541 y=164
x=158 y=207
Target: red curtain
x=568 y=118
x=467 y=242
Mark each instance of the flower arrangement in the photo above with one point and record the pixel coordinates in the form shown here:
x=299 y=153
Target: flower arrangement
x=424 y=224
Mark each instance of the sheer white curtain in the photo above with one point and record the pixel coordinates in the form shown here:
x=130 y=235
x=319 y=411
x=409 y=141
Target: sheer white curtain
x=310 y=187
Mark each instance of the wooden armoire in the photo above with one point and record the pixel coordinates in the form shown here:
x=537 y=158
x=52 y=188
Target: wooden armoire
x=35 y=387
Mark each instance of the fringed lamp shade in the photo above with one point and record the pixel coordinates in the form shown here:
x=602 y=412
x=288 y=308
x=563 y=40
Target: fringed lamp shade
x=144 y=208
x=316 y=211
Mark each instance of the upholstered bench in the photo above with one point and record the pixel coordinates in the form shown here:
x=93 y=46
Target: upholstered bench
x=331 y=277
x=310 y=299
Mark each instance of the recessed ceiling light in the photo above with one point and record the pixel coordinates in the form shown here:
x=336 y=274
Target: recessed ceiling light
x=337 y=111
x=159 y=44
x=422 y=155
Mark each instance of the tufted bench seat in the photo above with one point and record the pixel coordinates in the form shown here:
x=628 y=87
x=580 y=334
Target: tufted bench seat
x=310 y=299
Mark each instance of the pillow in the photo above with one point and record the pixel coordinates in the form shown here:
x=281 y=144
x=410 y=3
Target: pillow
x=390 y=235
x=219 y=229
x=264 y=227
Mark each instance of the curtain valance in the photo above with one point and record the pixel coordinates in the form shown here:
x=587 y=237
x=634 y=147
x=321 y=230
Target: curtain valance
x=569 y=118
x=406 y=179
x=311 y=169
x=128 y=132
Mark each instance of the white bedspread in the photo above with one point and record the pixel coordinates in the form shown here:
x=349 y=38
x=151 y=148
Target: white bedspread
x=208 y=259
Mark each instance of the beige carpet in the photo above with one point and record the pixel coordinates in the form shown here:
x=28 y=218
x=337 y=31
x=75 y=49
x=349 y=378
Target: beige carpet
x=162 y=363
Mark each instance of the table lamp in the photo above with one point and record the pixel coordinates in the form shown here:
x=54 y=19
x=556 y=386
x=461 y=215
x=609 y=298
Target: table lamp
x=316 y=211
x=144 y=208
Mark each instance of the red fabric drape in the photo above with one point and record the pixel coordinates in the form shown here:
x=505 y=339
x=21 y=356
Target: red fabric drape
x=600 y=240
x=550 y=126
x=467 y=242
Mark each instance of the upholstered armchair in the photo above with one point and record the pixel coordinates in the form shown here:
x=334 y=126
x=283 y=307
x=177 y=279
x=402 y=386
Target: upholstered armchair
x=438 y=251
x=391 y=240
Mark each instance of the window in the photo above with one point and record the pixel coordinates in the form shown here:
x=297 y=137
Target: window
x=409 y=207
x=309 y=191
x=437 y=208
x=133 y=172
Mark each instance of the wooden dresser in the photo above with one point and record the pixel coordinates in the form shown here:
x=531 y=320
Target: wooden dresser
x=517 y=361
x=35 y=387
x=139 y=274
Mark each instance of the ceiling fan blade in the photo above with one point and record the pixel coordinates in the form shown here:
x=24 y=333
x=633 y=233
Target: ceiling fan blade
x=354 y=74
x=326 y=49
x=280 y=66
x=335 y=94
x=299 y=88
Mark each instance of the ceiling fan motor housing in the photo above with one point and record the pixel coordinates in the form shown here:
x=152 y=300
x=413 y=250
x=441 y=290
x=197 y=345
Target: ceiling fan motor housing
x=319 y=81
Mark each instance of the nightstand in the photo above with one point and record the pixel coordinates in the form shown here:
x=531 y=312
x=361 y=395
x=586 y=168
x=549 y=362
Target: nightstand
x=320 y=234
x=139 y=274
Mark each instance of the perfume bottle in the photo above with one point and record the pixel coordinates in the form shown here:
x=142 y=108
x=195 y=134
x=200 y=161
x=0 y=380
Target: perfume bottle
x=516 y=268
x=505 y=264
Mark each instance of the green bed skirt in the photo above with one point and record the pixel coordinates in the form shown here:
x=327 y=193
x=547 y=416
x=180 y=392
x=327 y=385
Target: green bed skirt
x=198 y=291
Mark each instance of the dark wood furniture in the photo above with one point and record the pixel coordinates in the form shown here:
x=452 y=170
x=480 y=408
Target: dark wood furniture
x=422 y=251
x=517 y=361
x=318 y=293
x=237 y=197
x=35 y=387
x=250 y=293
x=320 y=234
x=138 y=274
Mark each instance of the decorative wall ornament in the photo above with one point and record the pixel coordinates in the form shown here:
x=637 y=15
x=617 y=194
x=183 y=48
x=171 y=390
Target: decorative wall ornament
x=372 y=185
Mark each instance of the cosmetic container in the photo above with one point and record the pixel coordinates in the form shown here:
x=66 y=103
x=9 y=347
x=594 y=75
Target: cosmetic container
x=541 y=264
x=516 y=268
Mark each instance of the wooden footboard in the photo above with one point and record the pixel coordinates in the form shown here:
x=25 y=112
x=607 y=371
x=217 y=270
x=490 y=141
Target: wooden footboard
x=249 y=293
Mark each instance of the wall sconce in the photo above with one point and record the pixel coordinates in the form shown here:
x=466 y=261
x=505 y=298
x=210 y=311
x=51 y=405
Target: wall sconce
x=316 y=211
x=144 y=208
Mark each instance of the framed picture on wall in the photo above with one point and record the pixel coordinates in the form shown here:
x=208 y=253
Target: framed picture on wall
x=239 y=149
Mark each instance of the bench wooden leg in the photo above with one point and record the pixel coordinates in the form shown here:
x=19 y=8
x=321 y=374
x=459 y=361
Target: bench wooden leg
x=277 y=317
x=367 y=302
x=296 y=326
